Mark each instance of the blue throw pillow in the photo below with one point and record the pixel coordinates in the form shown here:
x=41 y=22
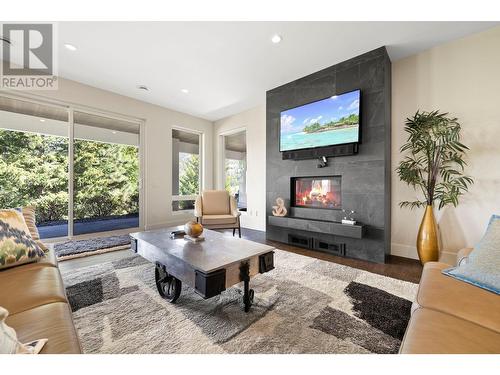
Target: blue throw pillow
x=483 y=265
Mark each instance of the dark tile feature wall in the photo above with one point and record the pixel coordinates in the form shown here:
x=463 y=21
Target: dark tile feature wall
x=366 y=184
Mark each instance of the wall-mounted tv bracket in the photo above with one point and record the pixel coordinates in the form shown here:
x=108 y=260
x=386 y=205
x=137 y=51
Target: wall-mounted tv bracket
x=322 y=162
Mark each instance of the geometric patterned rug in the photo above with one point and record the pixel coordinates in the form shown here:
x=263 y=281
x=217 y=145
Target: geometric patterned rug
x=304 y=305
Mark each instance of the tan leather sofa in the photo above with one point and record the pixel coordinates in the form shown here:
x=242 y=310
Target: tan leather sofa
x=216 y=209
x=451 y=316
x=35 y=297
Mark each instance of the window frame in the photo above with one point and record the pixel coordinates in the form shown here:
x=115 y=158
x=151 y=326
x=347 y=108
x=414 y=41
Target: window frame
x=221 y=154
x=201 y=169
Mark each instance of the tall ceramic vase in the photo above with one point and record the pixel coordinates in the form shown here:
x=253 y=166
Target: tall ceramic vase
x=427 y=239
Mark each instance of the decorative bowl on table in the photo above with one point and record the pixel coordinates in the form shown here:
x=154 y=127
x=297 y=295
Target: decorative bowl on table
x=193 y=229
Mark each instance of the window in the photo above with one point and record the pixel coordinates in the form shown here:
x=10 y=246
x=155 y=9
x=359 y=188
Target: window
x=34 y=162
x=82 y=176
x=186 y=169
x=235 y=167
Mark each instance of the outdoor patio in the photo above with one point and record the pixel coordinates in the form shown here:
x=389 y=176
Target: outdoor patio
x=89 y=226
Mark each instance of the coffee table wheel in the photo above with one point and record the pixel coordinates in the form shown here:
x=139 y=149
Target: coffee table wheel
x=168 y=286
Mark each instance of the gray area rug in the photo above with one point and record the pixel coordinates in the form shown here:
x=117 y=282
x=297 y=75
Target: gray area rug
x=304 y=305
x=78 y=248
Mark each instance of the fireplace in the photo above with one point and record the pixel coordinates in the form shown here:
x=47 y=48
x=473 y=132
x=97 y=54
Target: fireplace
x=316 y=192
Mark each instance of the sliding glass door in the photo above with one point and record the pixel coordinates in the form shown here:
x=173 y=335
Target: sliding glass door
x=44 y=147
x=34 y=162
x=106 y=174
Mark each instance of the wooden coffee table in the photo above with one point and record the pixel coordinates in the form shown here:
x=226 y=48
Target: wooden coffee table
x=209 y=266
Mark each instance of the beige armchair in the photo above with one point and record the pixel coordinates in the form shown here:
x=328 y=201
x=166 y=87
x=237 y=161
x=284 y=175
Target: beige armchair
x=216 y=209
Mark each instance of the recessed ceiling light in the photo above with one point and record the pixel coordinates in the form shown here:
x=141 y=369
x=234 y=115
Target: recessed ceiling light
x=42 y=120
x=276 y=39
x=114 y=132
x=70 y=47
x=142 y=87
x=185 y=91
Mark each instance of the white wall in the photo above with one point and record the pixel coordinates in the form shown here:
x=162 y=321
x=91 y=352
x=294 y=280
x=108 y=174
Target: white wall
x=158 y=142
x=463 y=78
x=254 y=121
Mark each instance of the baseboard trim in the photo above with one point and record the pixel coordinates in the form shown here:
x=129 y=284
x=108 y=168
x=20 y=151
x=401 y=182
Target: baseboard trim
x=407 y=251
x=251 y=222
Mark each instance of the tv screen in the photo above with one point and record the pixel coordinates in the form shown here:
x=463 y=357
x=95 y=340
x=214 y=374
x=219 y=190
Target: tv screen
x=327 y=122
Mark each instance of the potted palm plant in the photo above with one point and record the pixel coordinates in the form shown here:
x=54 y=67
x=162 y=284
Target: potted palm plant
x=434 y=166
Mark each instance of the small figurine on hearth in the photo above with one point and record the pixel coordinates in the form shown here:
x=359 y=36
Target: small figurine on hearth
x=279 y=209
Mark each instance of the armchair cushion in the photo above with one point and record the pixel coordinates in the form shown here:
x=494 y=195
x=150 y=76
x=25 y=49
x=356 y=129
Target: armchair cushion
x=215 y=202
x=218 y=219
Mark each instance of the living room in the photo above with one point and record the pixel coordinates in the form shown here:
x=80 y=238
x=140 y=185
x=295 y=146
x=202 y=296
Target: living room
x=241 y=189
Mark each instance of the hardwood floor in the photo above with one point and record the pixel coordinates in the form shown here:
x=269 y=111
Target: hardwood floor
x=396 y=267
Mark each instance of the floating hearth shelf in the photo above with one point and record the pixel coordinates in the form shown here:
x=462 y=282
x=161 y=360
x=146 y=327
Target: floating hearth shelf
x=319 y=226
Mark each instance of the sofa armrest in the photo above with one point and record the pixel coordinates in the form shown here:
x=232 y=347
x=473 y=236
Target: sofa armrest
x=463 y=255
x=234 y=206
x=198 y=207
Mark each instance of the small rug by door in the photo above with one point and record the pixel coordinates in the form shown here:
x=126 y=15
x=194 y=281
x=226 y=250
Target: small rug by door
x=81 y=248
x=304 y=305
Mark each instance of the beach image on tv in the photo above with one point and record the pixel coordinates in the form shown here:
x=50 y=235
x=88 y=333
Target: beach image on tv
x=327 y=122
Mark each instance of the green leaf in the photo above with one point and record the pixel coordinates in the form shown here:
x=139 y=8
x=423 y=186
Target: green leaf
x=433 y=159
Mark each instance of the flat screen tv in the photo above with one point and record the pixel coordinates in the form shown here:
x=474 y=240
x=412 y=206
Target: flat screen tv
x=326 y=122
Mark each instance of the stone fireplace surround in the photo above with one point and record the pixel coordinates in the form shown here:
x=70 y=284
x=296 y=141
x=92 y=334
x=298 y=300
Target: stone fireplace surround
x=365 y=185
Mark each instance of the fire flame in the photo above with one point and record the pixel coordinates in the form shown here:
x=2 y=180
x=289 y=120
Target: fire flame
x=317 y=196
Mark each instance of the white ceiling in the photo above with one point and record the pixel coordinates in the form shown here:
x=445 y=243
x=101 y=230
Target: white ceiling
x=228 y=66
